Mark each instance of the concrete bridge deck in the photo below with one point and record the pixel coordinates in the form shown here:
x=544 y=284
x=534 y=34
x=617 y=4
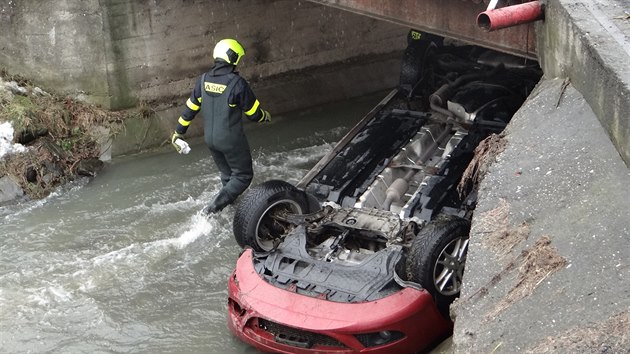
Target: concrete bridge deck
x=447 y=18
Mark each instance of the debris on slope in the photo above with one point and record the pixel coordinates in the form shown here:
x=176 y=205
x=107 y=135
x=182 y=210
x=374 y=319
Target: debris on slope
x=609 y=336
x=500 y=236
x=61 y=135
x=485 y=154
x=537 y=264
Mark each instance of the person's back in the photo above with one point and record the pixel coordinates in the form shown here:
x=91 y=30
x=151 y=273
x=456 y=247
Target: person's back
x=223 y=128
x=222 y=95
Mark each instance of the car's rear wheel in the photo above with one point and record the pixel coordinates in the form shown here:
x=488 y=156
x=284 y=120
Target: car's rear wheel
x=259 y=218
x=437 y=258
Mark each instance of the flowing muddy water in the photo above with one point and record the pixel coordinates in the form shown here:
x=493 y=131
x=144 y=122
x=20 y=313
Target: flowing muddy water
x=125 y=263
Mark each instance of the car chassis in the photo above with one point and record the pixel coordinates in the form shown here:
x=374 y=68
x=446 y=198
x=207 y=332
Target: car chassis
x=382 y=221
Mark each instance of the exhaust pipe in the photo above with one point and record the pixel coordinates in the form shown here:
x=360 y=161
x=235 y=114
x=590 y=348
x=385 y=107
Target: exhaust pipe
x=509 y=16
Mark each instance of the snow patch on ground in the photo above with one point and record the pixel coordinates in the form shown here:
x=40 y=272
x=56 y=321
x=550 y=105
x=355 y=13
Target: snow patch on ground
x=6 y=141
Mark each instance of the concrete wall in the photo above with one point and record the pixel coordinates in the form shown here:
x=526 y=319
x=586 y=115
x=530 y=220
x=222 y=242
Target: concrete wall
x=57 y=44
x=280 y=94
x=122 y=51
x=587 y=43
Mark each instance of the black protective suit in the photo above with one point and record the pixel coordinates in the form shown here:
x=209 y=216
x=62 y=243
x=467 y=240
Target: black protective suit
x=223 y=96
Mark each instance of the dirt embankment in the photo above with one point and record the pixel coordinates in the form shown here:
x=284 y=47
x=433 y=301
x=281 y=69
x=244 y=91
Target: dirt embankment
x=64 y=137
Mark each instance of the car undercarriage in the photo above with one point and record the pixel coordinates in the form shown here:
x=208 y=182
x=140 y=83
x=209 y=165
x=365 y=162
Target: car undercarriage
x=387 y=208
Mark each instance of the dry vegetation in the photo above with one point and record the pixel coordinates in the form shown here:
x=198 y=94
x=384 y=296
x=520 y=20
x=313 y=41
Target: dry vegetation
x=532 y=266
x=61 y=136
x=485 y=155
x=537 y=263
x=499 y=235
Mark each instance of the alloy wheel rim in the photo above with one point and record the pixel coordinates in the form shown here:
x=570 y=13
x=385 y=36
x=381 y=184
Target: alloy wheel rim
x=449 y=268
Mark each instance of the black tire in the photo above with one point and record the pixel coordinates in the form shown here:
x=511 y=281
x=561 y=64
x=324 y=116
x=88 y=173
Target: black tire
x=437 y=258
x=253 y=223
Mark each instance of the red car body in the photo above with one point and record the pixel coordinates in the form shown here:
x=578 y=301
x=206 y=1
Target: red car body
x=281 y=321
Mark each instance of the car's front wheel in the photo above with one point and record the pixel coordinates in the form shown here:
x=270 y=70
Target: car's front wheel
x=258 y=220
x=437 y=258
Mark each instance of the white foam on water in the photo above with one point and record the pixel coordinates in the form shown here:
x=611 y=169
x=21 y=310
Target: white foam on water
x=27 y=207
x=99 y=269
x=321 y=137
x=159 y=208
x=290 y=164
x=45 y=296
x=137 y=257
x=60 y=294
x=116 y=255
x=310 y=154
x=200 y=226
x=87 y=285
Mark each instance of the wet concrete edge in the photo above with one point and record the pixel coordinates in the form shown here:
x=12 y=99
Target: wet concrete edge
x=587 y=42
x=563 y=178
x=547 y=184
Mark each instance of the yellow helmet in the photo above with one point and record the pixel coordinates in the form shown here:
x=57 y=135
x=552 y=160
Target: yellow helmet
x=229 y=50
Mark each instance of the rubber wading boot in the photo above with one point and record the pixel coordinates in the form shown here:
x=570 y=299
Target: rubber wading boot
x=222 y=200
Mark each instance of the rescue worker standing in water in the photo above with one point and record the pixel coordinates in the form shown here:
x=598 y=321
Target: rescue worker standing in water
x=222 y=95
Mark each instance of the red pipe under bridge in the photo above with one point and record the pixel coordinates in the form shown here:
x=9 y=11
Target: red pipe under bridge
x=454 y=19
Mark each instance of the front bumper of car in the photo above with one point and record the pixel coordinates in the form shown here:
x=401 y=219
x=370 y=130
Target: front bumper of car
x=281 y=321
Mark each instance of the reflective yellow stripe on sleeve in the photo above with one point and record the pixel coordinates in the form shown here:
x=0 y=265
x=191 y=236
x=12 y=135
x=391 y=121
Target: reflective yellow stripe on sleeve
x=253 y=109
x=183 y=122
x=191 y=105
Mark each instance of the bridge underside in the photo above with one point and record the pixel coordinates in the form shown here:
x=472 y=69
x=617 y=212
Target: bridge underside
x=448 y=18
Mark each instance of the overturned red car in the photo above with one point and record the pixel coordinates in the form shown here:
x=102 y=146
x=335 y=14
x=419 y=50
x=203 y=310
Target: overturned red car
x=278 y=320
x=367 y=252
